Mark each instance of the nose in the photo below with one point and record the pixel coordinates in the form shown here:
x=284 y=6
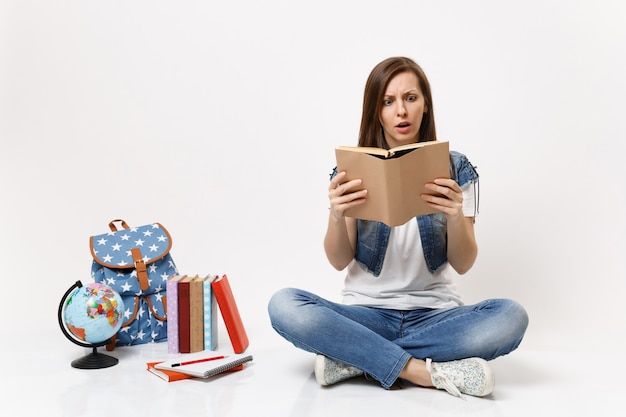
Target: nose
x=401 y=109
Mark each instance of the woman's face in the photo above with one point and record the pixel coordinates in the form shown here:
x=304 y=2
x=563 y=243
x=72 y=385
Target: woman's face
x=402 y=110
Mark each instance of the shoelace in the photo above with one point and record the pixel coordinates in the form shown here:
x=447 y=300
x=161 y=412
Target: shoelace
x=445 y=379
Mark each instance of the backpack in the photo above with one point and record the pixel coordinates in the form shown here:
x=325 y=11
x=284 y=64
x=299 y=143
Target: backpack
x=135 y=262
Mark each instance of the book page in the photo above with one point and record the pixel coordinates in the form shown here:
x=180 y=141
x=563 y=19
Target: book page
x=365 y=149
x=387 y=153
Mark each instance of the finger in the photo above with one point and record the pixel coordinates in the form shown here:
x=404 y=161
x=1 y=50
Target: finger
x=339 y=204
x=349 y=200
x=336 y=180
x=443 y=204
x=446 y=192
x=448 y=182
x=440 y=201
x=348 y=187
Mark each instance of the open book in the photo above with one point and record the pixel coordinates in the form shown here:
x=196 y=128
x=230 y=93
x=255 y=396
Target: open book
x=394 y=178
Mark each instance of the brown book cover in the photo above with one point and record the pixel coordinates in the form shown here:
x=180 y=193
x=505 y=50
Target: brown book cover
x=230 y=313
x=183 y=315
x=196 y=319
x=395 y=179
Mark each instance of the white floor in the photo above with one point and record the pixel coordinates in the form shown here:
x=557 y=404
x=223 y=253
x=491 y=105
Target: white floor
x=280 y=382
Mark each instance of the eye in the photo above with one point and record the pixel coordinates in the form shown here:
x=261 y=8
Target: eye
x=411 y=98
x=387 y=102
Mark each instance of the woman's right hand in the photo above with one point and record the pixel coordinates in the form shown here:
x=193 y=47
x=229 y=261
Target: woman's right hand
x=343 y=196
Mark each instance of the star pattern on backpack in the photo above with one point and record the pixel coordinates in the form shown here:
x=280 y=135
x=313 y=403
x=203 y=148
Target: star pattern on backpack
x=113 y=265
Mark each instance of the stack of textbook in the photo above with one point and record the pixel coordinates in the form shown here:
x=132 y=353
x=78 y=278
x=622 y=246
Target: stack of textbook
x=192 y=328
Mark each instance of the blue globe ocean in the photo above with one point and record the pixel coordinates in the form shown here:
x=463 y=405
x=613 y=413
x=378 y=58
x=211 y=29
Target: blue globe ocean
x=93 y=313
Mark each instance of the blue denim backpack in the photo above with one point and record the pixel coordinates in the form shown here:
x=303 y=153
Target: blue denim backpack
x=136 y=262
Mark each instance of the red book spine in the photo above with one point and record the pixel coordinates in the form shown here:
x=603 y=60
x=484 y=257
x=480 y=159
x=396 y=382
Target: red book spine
x=230 y=314
x=184 y=345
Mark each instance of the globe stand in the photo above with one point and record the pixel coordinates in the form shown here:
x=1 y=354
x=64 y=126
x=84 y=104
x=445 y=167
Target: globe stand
x=93 y=360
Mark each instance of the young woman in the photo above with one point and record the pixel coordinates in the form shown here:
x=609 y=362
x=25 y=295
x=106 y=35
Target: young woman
x=401 y=317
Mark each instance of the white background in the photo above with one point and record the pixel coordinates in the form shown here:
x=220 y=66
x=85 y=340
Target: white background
x=219 y=119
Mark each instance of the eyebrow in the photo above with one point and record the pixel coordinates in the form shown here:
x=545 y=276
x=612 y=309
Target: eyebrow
x=411 y=91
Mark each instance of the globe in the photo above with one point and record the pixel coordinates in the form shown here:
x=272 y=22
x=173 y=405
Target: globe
x=89 y=315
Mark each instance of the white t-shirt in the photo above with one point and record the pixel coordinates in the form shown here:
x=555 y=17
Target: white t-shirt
x=405 y=282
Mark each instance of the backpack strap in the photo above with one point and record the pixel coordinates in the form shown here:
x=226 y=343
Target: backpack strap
x=134 y=315
x=153 y=310
x=114 y=228
x=140 y=267
x=110 y=346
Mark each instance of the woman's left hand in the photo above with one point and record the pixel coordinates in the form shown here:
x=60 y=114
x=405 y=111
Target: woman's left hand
x=449 y=199
x=462 y=248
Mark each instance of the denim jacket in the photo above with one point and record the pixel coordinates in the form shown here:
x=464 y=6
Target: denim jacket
x=373 y=237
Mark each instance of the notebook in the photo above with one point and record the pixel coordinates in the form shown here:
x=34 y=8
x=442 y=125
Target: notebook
x=167 y=375
x=204 y=364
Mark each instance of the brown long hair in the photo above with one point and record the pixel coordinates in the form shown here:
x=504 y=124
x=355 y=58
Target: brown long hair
x=371 y=131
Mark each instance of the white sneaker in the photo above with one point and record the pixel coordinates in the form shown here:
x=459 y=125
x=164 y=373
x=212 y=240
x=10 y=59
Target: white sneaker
x=471 y=376
x=328 y=372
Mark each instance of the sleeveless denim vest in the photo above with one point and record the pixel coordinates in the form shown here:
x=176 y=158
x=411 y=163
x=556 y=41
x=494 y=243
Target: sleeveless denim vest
x=373 y=237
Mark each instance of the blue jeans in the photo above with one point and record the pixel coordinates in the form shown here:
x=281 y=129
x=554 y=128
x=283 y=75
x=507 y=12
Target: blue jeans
x=381 y=341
